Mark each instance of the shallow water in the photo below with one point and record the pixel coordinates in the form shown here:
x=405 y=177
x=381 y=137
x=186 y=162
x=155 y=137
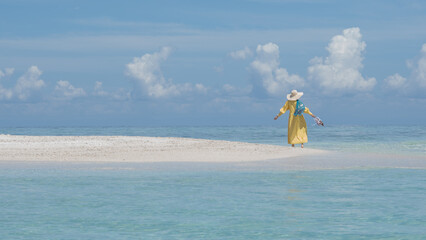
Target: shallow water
x=130 y=201
x=255 y=200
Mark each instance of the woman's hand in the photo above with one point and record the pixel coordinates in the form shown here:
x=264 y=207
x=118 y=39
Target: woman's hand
x=317 y=120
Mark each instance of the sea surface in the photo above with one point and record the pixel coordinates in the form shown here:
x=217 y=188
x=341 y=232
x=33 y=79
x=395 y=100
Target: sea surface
x=162 y=201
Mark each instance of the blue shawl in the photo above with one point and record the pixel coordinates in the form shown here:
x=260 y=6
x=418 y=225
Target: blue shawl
x=300 y=107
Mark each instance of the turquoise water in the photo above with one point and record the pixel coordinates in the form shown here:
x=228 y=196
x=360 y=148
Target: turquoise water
x=376 y=139
x=214 y=201
x=84 y=201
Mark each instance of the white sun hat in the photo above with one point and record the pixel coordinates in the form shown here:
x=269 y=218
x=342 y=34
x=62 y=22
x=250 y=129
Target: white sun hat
x=294 y=95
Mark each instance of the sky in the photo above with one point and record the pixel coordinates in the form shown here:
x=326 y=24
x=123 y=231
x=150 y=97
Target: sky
x=210 y=63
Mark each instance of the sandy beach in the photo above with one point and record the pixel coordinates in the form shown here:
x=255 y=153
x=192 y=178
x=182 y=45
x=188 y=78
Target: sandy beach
x=138 y=149
x=179 y=151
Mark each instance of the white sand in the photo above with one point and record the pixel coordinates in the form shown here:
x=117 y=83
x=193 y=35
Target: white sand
x=186 y=154
x=138 y=149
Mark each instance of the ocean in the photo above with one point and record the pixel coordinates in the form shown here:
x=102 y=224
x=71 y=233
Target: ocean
x=142 y=201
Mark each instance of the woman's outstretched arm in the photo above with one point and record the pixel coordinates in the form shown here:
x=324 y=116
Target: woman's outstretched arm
x=309 y=112
x=318 y=121
x=282 y=111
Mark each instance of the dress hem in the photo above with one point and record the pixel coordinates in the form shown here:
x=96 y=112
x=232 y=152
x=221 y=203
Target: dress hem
x=297 y=142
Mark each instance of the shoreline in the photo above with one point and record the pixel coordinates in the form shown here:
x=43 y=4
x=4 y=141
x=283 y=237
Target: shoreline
x=157 y=153
x=139 y=149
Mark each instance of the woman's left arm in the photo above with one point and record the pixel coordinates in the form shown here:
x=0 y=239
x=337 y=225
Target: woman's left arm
x=309 y=112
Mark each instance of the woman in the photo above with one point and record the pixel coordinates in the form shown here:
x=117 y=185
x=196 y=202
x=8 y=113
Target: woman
x=296 y=122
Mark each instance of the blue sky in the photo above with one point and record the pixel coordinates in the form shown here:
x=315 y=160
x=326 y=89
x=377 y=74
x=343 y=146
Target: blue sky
x=151 y=63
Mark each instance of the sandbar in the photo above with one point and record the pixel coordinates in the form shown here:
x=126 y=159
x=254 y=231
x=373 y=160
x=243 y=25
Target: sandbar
x=138 y=149
x=156 y=153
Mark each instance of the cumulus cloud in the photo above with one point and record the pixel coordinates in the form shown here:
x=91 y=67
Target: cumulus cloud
x=274 y=79
x=9 y=71
x=25 y=86
x=417 y=80
x=28 y=83
x=65 y=90
x=146 y=71
x=341 y=69
x=419 y=71
x=395 y=81
x=200 y=88
x=241 y=54
x=5 y=94
x=119 y=94
x=6 y=72
x=98 y=90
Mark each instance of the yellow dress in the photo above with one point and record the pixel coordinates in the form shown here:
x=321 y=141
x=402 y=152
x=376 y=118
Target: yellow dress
x=297 y=132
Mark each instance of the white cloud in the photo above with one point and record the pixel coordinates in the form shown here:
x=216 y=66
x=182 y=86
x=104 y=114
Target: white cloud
x=65 y=90
x=146 y=70
x=420 y=70
x=98 y=90
x=25 y=86
x=395 y=81
x=7 y=72
x=200 y=88
x=148 y=76
x=275 y=80
x=119 y=94
x=5 y=94
x=341 y=69
x=241 y=54
x=28 y=83
x=416 y=81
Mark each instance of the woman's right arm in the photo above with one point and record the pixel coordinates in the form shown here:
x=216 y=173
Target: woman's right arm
x=282 y=110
